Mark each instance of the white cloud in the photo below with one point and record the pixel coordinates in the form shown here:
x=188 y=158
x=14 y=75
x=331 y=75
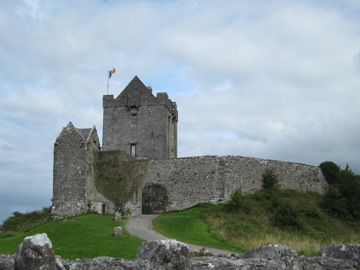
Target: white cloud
x=255 y=78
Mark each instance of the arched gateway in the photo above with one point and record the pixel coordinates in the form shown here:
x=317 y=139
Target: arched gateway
x=154 y=199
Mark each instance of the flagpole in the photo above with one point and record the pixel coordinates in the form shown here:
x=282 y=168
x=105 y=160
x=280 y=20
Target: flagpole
x=110 y=73
x=107 y=92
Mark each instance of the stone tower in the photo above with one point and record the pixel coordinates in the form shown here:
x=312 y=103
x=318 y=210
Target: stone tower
x=139 y=123
x=74 y=154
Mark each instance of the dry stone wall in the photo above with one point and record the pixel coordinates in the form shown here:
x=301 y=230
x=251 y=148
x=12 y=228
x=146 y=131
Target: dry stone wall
x=193 y=180
x=36 y=253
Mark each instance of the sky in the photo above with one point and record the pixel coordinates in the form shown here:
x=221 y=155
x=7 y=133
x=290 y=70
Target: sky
x=267 y=79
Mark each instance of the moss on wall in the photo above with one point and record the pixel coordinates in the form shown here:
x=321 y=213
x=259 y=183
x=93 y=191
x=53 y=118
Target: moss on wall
x=118 y=178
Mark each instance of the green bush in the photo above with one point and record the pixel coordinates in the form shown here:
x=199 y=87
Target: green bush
x=238 y=202
x=342 y=198
x=19 y=222
x=335 y=203
x=350 y=190
x=270 y=180
x=285 y=216
x=330 y=171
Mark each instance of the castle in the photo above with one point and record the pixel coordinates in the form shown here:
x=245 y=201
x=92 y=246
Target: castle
x=137 y=168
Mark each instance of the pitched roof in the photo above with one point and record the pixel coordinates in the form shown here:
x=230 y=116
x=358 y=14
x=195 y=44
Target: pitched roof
x=138 y=85
x=84 y=132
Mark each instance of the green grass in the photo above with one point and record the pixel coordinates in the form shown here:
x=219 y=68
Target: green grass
x=248 y=223
x=253 y=226
x=190 y=226
x=81 y=237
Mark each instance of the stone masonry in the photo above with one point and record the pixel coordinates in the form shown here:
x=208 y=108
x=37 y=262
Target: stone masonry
x=140 y=132
x=139 y=123
x=188 y=181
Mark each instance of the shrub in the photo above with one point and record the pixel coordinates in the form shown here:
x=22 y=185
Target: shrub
x=342 y=198
x=270 y=180
x=330 y=171
x=334 y=203
x=238 y=202
x=19 y=222
x=286 y=216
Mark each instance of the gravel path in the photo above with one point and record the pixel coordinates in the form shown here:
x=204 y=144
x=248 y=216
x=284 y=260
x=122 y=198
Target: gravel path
x=141 y=226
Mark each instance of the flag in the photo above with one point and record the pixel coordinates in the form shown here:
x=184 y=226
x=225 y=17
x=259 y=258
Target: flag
x=111 y=72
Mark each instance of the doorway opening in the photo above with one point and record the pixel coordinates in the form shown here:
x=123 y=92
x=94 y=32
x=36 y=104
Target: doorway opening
x=154 y=199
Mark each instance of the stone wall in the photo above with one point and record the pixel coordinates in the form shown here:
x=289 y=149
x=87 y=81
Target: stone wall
x=92 y=195
x=180 y=183
x=193 y=180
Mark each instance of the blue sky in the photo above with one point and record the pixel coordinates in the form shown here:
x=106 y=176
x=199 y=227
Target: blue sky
x=268 y=79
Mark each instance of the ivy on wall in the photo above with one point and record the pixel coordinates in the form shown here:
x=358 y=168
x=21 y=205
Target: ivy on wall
x=117 y=178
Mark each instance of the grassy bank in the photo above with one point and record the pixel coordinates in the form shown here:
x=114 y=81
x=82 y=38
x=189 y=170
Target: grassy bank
x=191 y=226
x=247 y=221
x=80 y=237
x=302 y=224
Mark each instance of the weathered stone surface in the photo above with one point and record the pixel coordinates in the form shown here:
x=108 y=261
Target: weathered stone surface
x=102 y=263
x=74 y=156
x=118 y=231
x=347 y=252
x=169 y=254
x=117 y=216
x=205 y=263
x=142 y=120
x=188 y=181
x=35 y=252
x=322 y=263
x=285 y=256
x=7 y=262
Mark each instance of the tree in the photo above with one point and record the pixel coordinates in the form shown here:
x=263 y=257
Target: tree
x=342 y=198
x=331 y=172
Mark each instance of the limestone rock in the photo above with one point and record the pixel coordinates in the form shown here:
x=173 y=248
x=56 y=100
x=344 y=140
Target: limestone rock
x=347 y=252
x=284 y=255
x=7 y=262
x=35 y=252
x=59 y=264
x=166 y=254
x=117 y=216
x=102 y=263
x=212 y=263
x=322 y=263
x=118 y=231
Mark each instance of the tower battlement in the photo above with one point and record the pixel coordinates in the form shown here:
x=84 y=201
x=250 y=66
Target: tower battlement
x=139 y=123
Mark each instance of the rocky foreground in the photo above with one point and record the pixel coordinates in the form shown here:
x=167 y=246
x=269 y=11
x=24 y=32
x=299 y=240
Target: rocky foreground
x=36 y=253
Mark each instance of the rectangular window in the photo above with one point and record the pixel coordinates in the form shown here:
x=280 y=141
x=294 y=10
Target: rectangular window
x=133 y=149
x=135 y=91
x=133 y=118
